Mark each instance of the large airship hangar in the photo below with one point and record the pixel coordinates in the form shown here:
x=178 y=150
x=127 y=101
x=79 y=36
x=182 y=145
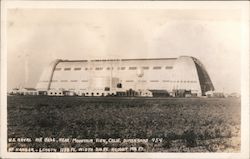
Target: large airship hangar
x=184 y=75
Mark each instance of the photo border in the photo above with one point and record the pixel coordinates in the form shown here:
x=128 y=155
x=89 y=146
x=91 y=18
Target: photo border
x=242 y=5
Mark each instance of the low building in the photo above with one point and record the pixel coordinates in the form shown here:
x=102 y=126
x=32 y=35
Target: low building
x=28 y=91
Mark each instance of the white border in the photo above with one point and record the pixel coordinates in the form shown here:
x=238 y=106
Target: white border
x=243 y=5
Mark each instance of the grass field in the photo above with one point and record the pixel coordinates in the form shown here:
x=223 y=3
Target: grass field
x=184 y=124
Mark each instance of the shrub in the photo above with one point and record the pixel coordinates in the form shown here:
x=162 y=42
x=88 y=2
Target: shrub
x=190 y=138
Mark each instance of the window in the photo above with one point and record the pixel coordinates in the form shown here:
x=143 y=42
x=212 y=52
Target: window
x=106 y=89
x=77 y=69
x=58 y=69
x=64 y=80
x=98 y=68
x=119 y=85
x=54 y=80
x=168 y=67
x=165 y=80
x=67 y=69
x=86 y=68
x=121 y=68
x=73 y=80
x=157 y=67
x=132 y=68
x=84 y=80
x=129 y=81
x=154 y=81
x=109 y=68
x=145 y=67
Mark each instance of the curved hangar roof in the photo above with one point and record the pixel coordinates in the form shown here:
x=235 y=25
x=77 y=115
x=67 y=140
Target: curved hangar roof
x=169 y=74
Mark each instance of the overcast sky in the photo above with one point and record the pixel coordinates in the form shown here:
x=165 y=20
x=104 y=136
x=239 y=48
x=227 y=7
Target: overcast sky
x=36 y=37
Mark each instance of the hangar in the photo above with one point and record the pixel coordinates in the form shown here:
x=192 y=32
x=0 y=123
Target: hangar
x=126 y=77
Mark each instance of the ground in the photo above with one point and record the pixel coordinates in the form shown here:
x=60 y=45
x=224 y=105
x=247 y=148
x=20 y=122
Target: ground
x=178 y=124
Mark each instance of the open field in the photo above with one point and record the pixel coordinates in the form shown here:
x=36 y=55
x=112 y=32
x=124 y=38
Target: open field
x=183 y=124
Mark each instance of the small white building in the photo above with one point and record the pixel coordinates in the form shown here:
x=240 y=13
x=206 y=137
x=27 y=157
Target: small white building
x=145 y=93
x=27 y=91
x=215 y=94
x=14 y=91
x=54 y=92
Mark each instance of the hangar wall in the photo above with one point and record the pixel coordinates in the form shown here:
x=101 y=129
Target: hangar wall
x=183 y=73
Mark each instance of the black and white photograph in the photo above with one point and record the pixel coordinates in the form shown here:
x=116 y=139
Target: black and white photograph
x=127 y=78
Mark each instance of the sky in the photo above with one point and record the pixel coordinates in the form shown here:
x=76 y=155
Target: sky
x=36 y=37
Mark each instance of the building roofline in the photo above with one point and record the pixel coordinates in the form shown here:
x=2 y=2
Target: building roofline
x=73 y=61
x=145 y=59
x=104 y=60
